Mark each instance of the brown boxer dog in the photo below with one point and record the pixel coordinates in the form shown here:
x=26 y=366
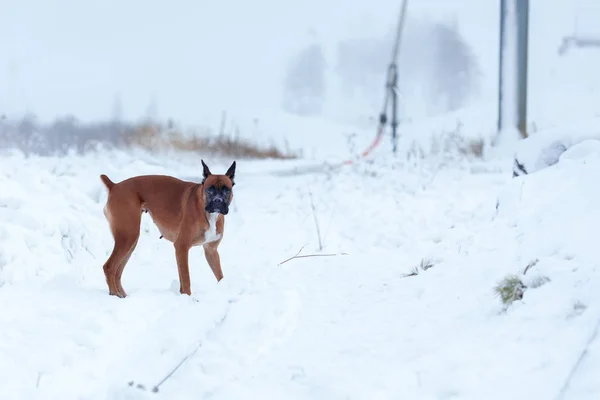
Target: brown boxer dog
x=187 y=214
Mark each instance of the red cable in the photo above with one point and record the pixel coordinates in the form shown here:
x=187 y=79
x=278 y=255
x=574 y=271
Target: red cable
x=370 y=148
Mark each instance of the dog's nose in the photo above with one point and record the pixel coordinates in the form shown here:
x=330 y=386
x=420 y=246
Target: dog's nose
x=218 y=200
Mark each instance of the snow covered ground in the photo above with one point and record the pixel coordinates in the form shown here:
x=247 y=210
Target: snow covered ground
x=351 y=326
x=348 y=326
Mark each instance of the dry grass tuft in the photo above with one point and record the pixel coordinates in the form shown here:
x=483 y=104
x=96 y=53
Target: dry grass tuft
x=475 y=148
x=413 y=272
x=153 y=138
x=424 y=265
x=510 y=289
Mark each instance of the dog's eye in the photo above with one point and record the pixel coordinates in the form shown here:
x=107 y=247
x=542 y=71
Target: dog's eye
x=210 y=190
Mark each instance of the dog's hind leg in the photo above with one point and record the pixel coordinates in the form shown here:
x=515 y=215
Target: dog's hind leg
x=112 y=265
x=119 y=273
x=125 y=227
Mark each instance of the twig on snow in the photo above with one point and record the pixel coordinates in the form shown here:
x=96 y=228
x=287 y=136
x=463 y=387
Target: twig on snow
x=295 y=255
x=530 y=265
x=311 y=255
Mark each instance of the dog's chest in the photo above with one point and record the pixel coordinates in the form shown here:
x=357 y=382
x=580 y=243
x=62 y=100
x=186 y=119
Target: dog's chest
x=211 y=234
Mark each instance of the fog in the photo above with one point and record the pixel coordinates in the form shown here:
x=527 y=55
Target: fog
x=190 y=60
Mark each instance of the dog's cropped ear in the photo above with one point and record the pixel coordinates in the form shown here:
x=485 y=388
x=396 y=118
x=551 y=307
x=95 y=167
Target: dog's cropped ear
x=231 y=173
x=205 y=171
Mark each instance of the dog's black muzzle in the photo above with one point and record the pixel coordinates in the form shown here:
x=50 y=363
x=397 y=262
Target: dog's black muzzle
x=217 y=205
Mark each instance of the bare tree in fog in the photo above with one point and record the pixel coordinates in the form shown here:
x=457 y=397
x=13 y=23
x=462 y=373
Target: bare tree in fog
x=436 y=67
x=304 y=84
x=61 y=136
x=26 y=131
x=455 y=71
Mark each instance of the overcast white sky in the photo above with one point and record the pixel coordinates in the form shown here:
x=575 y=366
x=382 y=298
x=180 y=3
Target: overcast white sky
x=196 y=57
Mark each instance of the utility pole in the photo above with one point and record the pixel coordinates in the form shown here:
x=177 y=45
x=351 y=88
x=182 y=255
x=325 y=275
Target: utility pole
x=513 y=57
x=393 y=88
x=522 y=64
x=392 y=79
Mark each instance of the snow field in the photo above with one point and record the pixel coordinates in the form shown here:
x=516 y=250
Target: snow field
x=352 y=326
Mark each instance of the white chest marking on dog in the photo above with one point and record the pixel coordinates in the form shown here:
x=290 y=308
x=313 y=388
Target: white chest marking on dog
x=211 y=234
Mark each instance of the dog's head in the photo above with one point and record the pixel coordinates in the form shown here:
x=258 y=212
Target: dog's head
x=218 y=189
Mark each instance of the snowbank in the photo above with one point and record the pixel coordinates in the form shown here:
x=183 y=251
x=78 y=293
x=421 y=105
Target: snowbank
x=558 y=208
x=555 y=214
x=544 y=148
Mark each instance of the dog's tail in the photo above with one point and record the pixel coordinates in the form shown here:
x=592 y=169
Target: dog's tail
x=107 y=182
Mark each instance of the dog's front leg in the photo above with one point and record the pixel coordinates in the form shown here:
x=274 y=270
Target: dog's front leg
x=213 y=259
x=181 y=255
